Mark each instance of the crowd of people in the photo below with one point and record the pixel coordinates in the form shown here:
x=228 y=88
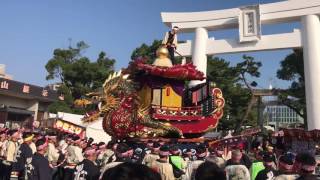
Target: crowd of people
x=29 y=156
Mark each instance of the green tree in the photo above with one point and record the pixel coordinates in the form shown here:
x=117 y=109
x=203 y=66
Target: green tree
x=292 y=69
x=59 y=106
x=236 y=88
x=77 y=73
x=104 y=66
x=248 y=67
x=61 y=58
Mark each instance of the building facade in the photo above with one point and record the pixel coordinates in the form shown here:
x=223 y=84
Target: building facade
x=22 y=104
x=281 y=116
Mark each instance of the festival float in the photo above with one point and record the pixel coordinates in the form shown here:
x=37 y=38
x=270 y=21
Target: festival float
x=154 y=100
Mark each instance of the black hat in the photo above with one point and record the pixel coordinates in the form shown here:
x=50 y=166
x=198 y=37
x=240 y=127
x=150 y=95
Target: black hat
x=27 y=136
x=201 y=150
x=110 y=144
x=175 y=150
x=164 y=150
x=75 y=138
x=156 y=145
x=267 y=157
x=286 y=159
x=11 y=132
x=186 y=150
x=41 y=144
x=189 y=151
x=122 y=148
x=308 y=163
x=101 y=143
x=90 y=140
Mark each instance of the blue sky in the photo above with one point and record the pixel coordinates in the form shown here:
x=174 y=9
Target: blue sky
x=31 y=30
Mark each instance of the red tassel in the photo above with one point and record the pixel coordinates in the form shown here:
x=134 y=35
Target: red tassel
x=168 y=91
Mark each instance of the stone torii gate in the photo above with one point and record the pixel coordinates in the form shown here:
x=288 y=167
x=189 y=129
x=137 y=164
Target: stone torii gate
x=248 y=20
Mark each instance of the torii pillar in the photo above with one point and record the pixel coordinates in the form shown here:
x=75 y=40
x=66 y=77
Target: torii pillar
x=311 y=53
x=199 y=56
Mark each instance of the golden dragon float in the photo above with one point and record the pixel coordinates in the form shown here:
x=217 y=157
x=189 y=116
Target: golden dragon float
x=153 y=100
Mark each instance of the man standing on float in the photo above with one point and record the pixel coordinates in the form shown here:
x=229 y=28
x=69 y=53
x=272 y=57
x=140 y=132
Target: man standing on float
x=170 y=41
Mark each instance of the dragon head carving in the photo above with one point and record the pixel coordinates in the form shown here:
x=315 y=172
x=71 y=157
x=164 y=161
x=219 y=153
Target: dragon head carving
x=122 y=113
